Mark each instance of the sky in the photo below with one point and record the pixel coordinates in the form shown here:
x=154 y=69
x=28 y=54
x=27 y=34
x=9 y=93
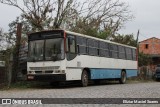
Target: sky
x=146 y=13
x=147 y=19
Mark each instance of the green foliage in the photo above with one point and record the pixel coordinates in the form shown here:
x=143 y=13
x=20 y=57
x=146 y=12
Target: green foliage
x=1 y=38
x=125 y=39
x=144 y=59
x=90 y=27
x=95 y=33
x=11 y=35
x=21 y=85
x=103 y=34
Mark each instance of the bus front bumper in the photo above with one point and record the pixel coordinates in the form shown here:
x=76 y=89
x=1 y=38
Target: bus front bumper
x=46 y=77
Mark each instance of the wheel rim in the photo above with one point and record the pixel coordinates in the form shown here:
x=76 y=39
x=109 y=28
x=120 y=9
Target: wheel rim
x=123 y=77
x=85 y=79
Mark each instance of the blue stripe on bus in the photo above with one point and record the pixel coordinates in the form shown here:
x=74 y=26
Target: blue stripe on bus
x=110 y=73
x=131 y=73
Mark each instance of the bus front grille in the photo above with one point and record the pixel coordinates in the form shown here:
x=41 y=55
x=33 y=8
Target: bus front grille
x=48 y=68
x=43 y=72
x=38 y=72
x=48 y=71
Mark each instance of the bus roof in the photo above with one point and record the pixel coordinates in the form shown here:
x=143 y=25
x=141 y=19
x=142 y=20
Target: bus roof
x=82 y=35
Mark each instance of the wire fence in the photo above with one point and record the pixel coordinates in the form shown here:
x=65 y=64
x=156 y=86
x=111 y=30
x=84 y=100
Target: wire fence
x=146 y=72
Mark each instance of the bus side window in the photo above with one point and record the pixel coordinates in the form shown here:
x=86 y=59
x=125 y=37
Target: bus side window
x=71 y=47
x=103 y=49
x=129 y=53
x=81 y=45
x=122 y=54
x=71 y=44
x=93 y=46
x=134 y=54
x=111 y=50
x=116 y=55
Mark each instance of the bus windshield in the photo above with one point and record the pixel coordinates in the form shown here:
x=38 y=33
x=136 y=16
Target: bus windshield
x=48 y=49
x=54 y=49
x=36 y=50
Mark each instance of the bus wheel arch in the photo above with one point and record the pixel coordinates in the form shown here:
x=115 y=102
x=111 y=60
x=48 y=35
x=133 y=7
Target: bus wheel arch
x=85 y=76
x=123 y=77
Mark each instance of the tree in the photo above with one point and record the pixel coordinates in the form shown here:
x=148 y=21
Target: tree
x=144 y=59
x=42 y=14
x=3 y=43
x=1 y=38
x=105 y=16
x=125 y=39
x=11 y=35
x=5 y=54
x=99 y=15
x=0 y=31
x=7 y=40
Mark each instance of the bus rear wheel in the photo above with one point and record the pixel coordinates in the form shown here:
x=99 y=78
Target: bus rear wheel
x=84 y=78
x=123 y=78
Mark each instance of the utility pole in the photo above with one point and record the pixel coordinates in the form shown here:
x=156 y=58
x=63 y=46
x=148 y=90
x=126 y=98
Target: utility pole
x=16 y=53
x=137 y=44
x=137 y=38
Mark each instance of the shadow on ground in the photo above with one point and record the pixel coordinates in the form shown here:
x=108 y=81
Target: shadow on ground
x=62 y=85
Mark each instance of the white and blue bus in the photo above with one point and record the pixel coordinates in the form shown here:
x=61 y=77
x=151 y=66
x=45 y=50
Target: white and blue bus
x=60 y=55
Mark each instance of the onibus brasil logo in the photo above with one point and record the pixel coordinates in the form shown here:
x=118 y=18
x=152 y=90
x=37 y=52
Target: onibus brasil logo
x=21 y=101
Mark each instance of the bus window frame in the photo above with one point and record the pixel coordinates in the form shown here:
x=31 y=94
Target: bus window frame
x=68 y=52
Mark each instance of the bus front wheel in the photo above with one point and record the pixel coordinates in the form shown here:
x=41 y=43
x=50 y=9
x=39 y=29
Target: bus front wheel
x=84 y=78
x=123 y=78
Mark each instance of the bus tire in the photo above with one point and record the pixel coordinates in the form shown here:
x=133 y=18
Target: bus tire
x=123 y=78
x=84 y=79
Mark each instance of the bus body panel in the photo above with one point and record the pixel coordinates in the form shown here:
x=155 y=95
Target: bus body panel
x=111 y=73
x=131 y=72
x=100 y=67
x=105 y=73
x=73 y=73
x=46 y=71
x=101 y=62
x=52 y=65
